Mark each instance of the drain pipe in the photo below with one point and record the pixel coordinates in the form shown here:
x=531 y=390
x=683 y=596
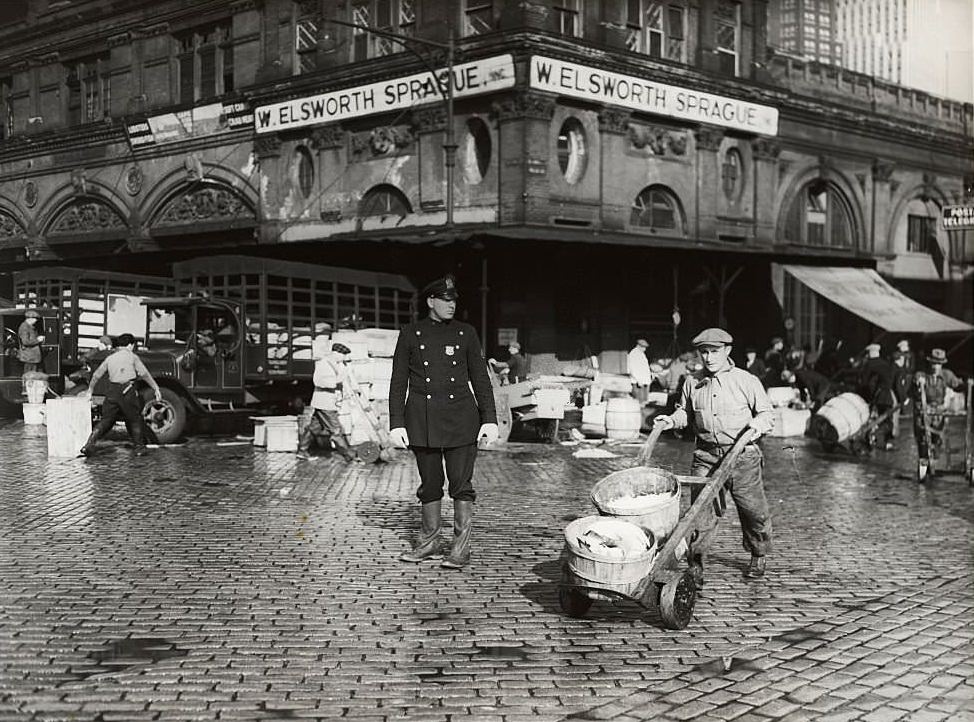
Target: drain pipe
x=483 y=303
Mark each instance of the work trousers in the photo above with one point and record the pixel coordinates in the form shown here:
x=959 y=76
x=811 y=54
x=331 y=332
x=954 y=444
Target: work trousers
x=122 y=400
x=325 y=425
x=937 y=424
x=746 y=485
x=459 y=462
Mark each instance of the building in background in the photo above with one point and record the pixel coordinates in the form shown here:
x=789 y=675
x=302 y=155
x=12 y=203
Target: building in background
x=922 y=44
x=805 y=28
x=615 y=161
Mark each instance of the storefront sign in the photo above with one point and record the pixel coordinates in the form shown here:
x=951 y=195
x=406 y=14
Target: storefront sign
x=192 y=123
x=473 y=78
x=593 y=84
x=958 y=218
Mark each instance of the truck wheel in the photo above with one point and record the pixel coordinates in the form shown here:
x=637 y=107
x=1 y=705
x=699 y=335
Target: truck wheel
x=166 y=419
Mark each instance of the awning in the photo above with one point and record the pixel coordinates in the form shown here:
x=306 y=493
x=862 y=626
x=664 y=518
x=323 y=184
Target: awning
x=863 y=292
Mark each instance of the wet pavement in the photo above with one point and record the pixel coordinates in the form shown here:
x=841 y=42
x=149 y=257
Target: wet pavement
x=213 y=581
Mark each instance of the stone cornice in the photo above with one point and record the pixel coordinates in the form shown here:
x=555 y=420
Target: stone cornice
x=524 y=104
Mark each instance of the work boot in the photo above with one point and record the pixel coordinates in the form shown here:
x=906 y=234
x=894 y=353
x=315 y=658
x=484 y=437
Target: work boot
x=755 y=570
x=428 y=544
x=462 y=526
x=89 y=448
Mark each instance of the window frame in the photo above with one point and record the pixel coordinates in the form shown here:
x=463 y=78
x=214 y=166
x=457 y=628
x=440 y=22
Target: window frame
x=836 y=209
x=195 y=45
x=923 y=245
x=6 y=108
x=88 y=84
x=641 y=35
x=719 y=23
x=573 y=11
x=573 y=159
x=304 y=171
x=400 y=18
x=477 y=9
x=645 y=205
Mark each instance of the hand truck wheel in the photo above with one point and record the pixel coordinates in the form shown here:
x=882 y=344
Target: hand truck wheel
x=573 y=602
x=676 y=601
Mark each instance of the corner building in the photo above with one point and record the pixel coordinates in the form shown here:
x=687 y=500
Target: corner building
x=618 y=164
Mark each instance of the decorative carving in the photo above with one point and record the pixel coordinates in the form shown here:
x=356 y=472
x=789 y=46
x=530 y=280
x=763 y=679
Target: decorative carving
x=204 y=204
x=383 y=140
x=115 y=41
x=524 y=104
x=30 y=194
x=328 y=136
x=87 y=216
x=79 y=181
x=429 y=120
x=708 y=138
x=766 y=149
x=893 y=185
x=882 y=171
x=133 y=180
x=267 y=146
x=331 y=216
x=658 y=140
x=9 y=227
x=613 y=120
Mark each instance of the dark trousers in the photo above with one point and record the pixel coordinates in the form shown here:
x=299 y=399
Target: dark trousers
x=458 y=461
x=122 y=400
x=937 y=424
x=746 y=485
x=324 y=425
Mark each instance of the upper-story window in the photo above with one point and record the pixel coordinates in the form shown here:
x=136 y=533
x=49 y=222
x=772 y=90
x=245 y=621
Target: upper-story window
x=89 y=89
x=820 y=216
x=6 y=108
x=657 y=209
x=478 y=17
x=921 y=234
x=205 y=57
x=392 y=16
x=727 y=39
x=568 y=15
x=656 y=29
x=306 y=27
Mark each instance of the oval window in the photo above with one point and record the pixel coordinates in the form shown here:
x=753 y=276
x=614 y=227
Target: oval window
x=304 y=170
x=477 y=151
x=571 y=150
x=732 y=174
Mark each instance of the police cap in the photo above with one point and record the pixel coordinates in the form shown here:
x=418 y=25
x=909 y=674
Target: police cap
x=712 y=337
x=445 y=288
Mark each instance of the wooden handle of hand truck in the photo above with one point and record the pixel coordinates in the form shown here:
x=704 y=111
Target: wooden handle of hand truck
x=646 y=452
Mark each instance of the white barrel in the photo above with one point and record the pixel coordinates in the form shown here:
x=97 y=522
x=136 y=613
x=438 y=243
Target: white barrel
x=33 y=413
x=623 y=417
x=68 y=425
x=36 y=390
x=846 y=414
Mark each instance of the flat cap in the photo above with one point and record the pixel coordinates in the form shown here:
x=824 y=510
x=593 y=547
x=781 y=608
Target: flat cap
x=712 y=337
x=445 y=288
x=340 y=348
x=642 y=342
x=106 y=341
x=873 y=349
x=31 y=313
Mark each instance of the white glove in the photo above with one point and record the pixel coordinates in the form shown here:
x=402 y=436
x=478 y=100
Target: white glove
x=488 y=434
x=40 y=339
x=399 y=437
x=665 y=421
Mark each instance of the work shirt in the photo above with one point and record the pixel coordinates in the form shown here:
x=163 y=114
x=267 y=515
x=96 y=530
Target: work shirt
x=328 y=375
x=638 y=367
x=517 y=368
x=722 y=405
x=440 y=390
x=935 y=387
x=122 y=366
x=30 y=345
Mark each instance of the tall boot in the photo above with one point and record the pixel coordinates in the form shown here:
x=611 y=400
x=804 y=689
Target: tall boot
x=89 y=446
x=138 y=438
x=428 y=544
x=462 y=526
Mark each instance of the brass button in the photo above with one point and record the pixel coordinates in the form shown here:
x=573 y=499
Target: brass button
x=429 y=396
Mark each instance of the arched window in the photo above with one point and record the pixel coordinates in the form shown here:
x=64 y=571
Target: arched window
x=572 y=150
x=384 y=200
x=657 y=209
x=820 y=216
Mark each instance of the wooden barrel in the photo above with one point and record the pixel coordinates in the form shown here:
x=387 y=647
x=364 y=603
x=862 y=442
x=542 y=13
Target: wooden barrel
x=621 y=575
x=845 y=414
x=623 y=418
x=660 y=511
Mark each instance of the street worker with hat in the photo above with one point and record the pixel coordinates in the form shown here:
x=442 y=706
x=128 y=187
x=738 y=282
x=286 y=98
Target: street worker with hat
x=876 y=387
x=515 y=368
x=330 y=379
x=637 y=366
x=441 y=405
x=724 y=401
x=29 y=352
x=124 y=369
x=934 y=384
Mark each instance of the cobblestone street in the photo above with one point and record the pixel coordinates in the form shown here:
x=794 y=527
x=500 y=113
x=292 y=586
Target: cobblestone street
x=213 y=581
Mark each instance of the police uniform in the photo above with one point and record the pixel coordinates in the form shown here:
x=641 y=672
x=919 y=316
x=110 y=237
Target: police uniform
x=720 y=406
x=440 y=392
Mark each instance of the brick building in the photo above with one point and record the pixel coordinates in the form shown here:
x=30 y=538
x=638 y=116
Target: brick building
x=615 y=160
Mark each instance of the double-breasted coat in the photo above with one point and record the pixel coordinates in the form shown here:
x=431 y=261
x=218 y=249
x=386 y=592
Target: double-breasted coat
x=30 y=345
x=440 y=389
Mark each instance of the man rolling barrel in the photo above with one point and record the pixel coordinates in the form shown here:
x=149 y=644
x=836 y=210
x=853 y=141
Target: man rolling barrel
x=723 y=401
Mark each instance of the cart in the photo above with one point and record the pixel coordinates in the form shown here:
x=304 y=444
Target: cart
x=936 y=424
x=540 y=402
x=667 y=586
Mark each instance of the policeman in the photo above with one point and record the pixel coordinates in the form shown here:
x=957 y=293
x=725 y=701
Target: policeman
x=723 y=401
x=124 y=369
x=438 y=361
